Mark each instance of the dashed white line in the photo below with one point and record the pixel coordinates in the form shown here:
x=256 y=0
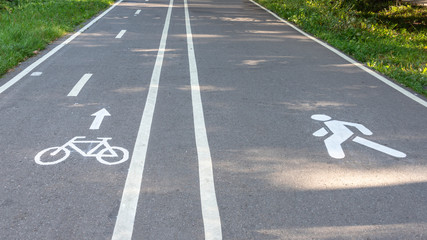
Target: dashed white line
x=121 y=33
x=210 y=212
x=125 y=219
x=27 y=70
x=79 y=85
x=36 y=74
x=137 y=12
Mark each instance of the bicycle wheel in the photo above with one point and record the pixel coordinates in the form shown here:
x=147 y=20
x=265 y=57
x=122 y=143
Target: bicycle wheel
x=46 y=157
x=121 y=155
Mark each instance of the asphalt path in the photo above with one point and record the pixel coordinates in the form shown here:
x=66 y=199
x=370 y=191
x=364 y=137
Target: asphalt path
x=216 y=120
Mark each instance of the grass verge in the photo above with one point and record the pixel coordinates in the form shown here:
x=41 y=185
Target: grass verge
x=27 y=26
x=391 y=40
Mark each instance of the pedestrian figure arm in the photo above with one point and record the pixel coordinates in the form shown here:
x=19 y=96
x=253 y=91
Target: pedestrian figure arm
x=360 y=127
x=320 y=133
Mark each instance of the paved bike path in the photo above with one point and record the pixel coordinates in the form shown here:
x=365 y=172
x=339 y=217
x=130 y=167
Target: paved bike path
x=274 y=179
x=261 y=82
x=80 y=197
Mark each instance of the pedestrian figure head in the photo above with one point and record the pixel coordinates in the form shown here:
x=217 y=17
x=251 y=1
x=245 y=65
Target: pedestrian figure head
x=321 y=117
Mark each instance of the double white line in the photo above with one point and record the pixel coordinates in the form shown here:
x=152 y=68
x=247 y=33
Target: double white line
x=125 y=220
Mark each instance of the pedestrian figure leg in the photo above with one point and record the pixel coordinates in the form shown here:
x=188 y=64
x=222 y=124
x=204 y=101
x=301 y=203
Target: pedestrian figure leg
x=379 y=147
x=333 y=145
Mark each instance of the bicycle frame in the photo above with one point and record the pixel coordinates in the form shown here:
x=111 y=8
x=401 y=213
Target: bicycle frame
x=91 y=152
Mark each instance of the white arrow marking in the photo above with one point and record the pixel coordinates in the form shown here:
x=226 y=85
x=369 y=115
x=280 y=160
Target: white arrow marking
x=99 y=117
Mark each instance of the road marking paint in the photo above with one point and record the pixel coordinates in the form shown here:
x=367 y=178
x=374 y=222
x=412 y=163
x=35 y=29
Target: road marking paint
x=125 y=219
x=379 y=147
x=99 y=117
x=342 y=55
x=27 y=70
x=79 y=85
x=341 y=132
x=210 y=212
x=99 y=149
x=36 y=74
x=137 y=12
x=121 y=33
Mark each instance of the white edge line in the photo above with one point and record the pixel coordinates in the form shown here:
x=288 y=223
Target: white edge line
x=123 y=228
x=24 y=72
x=79 y=85
x=121 y=33
x=339 y=53
x=210 y=212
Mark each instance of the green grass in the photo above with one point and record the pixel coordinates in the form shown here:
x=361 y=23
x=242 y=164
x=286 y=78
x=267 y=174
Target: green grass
x=27 y=26
x=392 y=40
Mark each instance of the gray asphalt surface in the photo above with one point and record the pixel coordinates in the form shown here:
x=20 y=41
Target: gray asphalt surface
x=260 y=81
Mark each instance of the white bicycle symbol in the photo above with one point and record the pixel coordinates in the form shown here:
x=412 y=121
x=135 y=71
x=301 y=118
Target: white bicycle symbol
x=102 y=150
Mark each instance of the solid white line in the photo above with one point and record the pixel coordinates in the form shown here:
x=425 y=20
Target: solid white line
x=137 y=12
x=121 y=33
x=22 y=74
x=210 y=212
x=79 y=85
x=126 y=216
x=342 y=55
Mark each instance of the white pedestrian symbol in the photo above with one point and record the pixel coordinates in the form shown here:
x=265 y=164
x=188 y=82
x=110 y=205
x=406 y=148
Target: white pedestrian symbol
x=341 y=133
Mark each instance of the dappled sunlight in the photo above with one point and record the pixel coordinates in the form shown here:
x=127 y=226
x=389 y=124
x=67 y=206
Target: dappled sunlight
x=133 y=4
x=346 y=68
x=212 y=6
x=150 y=52
x=278 y=168
x=144 y=4
x=157 y=190
x=323 y=176
x=127 y=90
x=79 y=105
x=253 y=62
x=410 y=231
x=421 y=138
x=153 y=50
x=99 y=175
x=266 y=61
x=199 y=36
x=116 y=18
x=206 y=88
x=239 y=19
x=298 y=37
x=97 y=34
x=258 y=161
x=359 y=87
x=311 y=106
x=271 y=24
x=87 y=39
x=93 y=45
x=278 y=34
x=266 y=32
